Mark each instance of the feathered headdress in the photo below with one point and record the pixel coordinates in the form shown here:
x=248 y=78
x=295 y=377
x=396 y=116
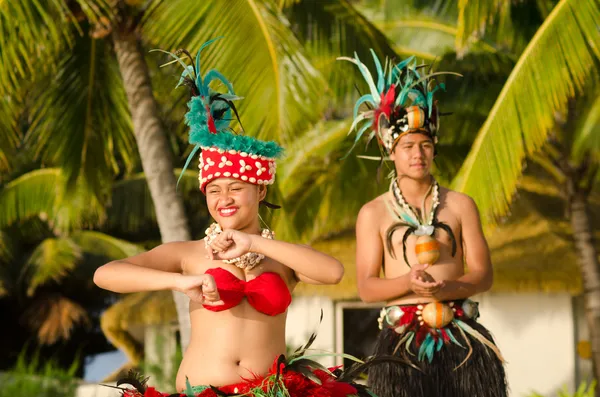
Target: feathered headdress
x=224 y=154
x=399 y=103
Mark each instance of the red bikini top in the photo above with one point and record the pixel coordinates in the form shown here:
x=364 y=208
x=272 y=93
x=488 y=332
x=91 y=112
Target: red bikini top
x=267 y=293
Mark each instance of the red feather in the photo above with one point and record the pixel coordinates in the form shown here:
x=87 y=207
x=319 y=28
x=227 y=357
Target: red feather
x=210 y=121
x=385 y=107
x=445 y=336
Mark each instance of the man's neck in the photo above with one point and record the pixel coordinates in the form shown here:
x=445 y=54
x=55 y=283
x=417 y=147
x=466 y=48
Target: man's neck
x=414 y=190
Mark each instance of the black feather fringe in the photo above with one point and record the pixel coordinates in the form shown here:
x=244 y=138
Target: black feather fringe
x=483 y=374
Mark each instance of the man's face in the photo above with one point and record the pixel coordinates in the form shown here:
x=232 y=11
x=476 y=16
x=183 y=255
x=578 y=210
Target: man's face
x=413 y=156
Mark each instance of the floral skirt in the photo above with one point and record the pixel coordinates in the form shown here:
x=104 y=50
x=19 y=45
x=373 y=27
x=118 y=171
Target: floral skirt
x=295 y=377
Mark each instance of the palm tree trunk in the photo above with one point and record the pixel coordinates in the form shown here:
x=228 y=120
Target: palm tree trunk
x=157 y=160
x=590 y=270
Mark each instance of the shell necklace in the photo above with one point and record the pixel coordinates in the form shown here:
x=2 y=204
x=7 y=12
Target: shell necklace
x=247 y=261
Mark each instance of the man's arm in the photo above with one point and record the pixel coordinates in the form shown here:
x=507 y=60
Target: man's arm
x=369 y=254
x=479 y=276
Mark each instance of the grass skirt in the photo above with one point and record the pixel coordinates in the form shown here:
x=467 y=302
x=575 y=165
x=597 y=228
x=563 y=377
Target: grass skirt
x=458 y=360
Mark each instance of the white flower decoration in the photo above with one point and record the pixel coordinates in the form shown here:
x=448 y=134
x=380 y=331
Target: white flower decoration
x=260 y=168
x=224 y=162
x=244 y=167
x=209 y=163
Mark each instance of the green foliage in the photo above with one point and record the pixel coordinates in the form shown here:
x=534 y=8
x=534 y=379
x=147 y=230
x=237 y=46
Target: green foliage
x=585 y=389
x=31 y=378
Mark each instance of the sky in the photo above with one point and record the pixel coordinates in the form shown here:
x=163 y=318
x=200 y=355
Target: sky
x=100 y=366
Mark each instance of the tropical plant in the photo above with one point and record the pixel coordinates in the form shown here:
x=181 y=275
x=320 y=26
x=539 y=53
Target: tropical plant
x=30 y=378
x=551 y=93
x=70 y=54
x=47 y=258
x=585 y=389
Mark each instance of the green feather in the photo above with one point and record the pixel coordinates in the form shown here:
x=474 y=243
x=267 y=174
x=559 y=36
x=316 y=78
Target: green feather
x=188 y=388
x=452 y=338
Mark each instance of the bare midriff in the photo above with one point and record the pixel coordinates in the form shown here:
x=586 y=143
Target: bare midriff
x=243 y=344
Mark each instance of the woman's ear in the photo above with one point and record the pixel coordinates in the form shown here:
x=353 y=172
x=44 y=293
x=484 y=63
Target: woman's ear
x=262 y=192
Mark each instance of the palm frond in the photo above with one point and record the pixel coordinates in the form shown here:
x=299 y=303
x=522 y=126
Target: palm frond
x=474 y=16
x=131 y=209
x=104 y=245
x=54 y=317
x=51 y=260
x=484 y=74
x=424 y=37
x=41 y=193
x=587 y=135
x=549 y=72
x=267 y=65
x=33 y=33
x=322 y=193
x=81 y=119
x=508 y=24
x=29 y=195
x=334 y=28
x=10 y=135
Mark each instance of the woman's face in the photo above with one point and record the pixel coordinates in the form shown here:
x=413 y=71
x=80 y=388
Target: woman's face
x=233 y=203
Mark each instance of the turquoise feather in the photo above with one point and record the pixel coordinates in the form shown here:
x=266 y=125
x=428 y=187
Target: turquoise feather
x=357 y=139
x=199 y=80
x=452 y=338
x=365 y=98
x=215 y=75
x=430 y=97
x=210 y=103
x=409 y=219
x=397 y=70
x=380 y=78
x=188 y=72
x=409 y=341
x=189 y=391
x=426 y=349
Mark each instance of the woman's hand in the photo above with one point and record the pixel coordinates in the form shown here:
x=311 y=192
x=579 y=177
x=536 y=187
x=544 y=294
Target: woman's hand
x=229 y=244
x=201 y=289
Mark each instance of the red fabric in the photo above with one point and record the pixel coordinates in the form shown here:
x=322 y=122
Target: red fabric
x=297 y=385
x=218 y=163
x=267 y=293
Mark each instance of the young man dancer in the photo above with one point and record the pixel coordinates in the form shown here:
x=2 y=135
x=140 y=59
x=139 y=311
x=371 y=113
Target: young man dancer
x=420 y=235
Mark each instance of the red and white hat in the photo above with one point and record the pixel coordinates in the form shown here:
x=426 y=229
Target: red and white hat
x=224 y=154
x=247 y=167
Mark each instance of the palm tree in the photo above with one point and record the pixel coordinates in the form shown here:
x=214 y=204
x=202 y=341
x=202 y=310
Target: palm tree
x=47 y=259
x=546 y=96
x=537 y=62
x=102 y=89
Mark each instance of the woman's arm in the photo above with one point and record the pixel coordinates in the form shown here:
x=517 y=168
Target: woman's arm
x=308 y=264
x=157 y=269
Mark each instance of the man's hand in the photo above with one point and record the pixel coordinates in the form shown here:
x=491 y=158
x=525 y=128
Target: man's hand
x=422 y=283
